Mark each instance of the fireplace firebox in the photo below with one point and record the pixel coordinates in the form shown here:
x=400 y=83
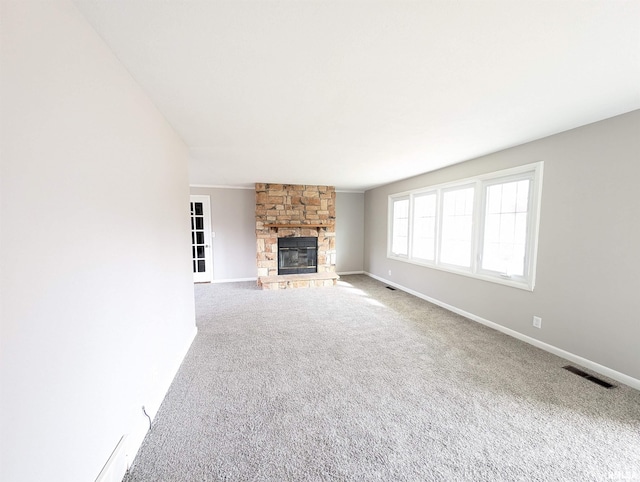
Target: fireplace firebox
x=297 y=255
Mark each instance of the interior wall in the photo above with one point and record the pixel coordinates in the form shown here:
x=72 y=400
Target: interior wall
x=233 y=221
x=588 y=265
x=234 y=225
x=97 y=297
x=349 y=232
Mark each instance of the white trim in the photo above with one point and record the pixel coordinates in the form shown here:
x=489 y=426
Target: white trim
x=233 y=280
x=596 y=367
x=220 y=186
x=346 y=273
x=536 y=205
x=116 y=467
x=350 y=191
x=391 y=206
x=469 y=180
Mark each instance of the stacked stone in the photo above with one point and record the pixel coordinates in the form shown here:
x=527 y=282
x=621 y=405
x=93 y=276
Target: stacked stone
x=298 y=206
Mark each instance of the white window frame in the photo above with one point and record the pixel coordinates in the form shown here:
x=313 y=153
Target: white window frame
x=440 y=220
x=391 y=222
x=527 y=256
x=436 y=228
x=533 y=172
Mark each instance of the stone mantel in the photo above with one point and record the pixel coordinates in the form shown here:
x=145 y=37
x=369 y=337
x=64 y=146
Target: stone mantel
x=289 y=226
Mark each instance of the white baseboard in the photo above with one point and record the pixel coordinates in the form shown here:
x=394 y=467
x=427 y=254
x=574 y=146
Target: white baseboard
x=345 y=273
x=596 y=367
x=233 y=280
x=116 y=467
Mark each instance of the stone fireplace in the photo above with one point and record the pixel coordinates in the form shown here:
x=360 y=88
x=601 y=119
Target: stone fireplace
x=295 y=225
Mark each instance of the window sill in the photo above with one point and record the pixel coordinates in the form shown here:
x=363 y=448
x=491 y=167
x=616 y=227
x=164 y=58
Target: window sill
x=522 y=285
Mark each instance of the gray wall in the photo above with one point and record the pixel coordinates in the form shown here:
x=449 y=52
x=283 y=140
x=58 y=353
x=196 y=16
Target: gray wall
x=588 y=261
x=97 y=304
x=349 y=232
x=233 y=219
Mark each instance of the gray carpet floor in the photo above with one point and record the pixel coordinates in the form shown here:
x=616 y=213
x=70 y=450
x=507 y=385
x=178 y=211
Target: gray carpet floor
x=361 y=383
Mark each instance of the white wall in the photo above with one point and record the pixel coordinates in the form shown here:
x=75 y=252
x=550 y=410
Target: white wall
x=97 y=296
x=588 y=264
x=349 y=232
x=233 y=219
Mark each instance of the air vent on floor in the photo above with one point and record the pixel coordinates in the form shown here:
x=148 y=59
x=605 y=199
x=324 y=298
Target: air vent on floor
x=390 y=288
x=585 y=375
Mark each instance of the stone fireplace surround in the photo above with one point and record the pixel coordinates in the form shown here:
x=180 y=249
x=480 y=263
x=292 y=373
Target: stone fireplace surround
x=291 y=210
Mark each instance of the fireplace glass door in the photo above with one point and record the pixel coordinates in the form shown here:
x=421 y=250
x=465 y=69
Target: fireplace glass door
x=297 y=255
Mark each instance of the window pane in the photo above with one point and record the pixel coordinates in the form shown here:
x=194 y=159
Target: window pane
x=520 y=234
x=516 y=266
x=505 y=227
x=424 y=227
x=492 y=228
x=522 y=202
x=491 y=259
x=509 y=193
x=507 y=224
x=400 y=232
x=494 y=197
x=457 y=226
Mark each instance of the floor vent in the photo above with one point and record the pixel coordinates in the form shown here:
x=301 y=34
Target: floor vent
x=591 y=378
x=390 y=288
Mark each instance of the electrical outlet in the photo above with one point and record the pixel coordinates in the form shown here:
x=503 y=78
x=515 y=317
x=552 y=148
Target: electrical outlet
x=537 y=322
x=389 y=272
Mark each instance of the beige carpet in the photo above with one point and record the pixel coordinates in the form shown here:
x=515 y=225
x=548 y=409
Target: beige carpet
x=361 y=383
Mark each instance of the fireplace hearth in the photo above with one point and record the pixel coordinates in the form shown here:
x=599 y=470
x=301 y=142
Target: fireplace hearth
x=297 y=255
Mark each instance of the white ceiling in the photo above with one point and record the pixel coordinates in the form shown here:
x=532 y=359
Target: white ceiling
x=356 y=93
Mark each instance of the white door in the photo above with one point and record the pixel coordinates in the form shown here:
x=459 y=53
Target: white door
x=201 y=239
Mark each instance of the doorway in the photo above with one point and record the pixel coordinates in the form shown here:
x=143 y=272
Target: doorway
x=201 y=248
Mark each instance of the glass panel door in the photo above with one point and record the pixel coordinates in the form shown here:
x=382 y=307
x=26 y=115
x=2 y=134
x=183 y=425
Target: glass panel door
x=201 y=239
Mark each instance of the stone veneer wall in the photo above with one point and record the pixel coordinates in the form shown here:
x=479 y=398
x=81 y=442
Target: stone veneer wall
x=298 y=206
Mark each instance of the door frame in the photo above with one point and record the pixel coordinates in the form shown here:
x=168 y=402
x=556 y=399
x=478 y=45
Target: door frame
x=207 y=275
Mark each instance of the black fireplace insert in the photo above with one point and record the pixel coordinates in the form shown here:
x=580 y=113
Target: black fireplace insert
x=297 y=255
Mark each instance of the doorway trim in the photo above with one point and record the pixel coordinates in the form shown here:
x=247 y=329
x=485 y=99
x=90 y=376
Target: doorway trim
x=201 y=246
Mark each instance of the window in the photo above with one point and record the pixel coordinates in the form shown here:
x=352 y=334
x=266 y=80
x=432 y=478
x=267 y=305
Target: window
x=457 y=219
x=485 y=227
x=400 y=243
x=424 y=226
x=505 y=231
